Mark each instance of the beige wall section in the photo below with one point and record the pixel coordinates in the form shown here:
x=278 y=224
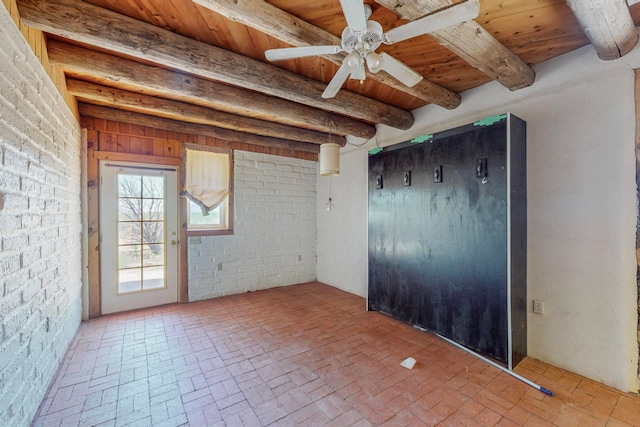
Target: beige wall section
x=38 y=43
x=342 y=231
x=581 y=209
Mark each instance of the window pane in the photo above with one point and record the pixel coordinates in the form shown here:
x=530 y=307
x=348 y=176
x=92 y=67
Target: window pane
x=196 y=217
x=129 y=280
x=129 y=256
x=141 y=233
x=129 y=186
x=153 y=278
x=153 y=255
x=153 y=209
x=153 y=232
x=153 y=187
x=129 y=209
x=129 y=233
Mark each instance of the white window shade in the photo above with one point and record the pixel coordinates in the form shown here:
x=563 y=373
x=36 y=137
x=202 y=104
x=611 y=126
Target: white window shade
x=206 y=178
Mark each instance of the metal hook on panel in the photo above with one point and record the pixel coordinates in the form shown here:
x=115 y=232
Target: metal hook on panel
x=485 y=180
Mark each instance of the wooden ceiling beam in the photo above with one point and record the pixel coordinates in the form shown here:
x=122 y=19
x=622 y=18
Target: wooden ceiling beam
x=87 y=64
x=277 y=23
x=607 y=24
x=92 y=25
x=176 y=110
x=116 y=115
x=471 y=42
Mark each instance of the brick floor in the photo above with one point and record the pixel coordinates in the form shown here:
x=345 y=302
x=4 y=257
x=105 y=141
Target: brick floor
x=302 y=355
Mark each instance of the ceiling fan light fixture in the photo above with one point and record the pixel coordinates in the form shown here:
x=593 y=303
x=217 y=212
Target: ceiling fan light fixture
x=375 y=62
x=352 y=60
x=358 y=73
x=355 y=65
x=363 y=36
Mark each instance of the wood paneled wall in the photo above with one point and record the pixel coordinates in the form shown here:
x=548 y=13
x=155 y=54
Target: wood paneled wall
x=38 y=43
x=131 y=140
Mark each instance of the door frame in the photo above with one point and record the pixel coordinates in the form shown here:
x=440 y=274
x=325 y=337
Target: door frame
x=111 y=299
x=93 y=222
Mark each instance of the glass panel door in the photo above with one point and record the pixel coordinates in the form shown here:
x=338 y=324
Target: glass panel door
x=139 y=236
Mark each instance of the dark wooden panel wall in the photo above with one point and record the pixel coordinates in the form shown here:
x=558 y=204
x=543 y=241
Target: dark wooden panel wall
x=438 y=251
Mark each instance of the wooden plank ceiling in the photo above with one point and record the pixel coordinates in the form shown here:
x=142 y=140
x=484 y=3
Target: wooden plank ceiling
x=201 y=63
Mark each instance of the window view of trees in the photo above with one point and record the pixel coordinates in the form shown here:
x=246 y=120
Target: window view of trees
x=197 y=218
x=140 y=232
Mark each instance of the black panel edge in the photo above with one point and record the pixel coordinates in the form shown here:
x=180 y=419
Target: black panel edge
x=516 y=134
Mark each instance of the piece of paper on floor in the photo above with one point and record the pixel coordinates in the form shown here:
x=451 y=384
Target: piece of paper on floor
x=408 y=363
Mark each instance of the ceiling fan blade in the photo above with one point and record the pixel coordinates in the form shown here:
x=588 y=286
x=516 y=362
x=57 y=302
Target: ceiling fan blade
x=354 y=13
x=405 y=74
x=436 y=21
x=300 y=52
x=337 y=81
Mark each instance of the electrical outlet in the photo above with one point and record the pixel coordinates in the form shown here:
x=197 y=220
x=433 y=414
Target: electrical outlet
x=219 y=266
x=538 y=307
x=299 y=257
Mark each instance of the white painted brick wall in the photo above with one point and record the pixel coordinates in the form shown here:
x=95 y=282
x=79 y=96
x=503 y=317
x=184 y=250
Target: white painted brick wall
x=275 y=230
x=40 y=226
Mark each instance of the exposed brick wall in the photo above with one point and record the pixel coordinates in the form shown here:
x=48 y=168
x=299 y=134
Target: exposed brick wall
x=40 y=227
x=275 y=230
x=37 y=42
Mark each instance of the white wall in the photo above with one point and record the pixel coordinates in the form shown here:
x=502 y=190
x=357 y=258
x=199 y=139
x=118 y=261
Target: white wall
x=274 y=243
x=40 y=256
x=581 y=210
x=342 y=231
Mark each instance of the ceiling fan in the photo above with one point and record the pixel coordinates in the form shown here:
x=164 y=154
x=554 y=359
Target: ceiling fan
x=362 y=37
